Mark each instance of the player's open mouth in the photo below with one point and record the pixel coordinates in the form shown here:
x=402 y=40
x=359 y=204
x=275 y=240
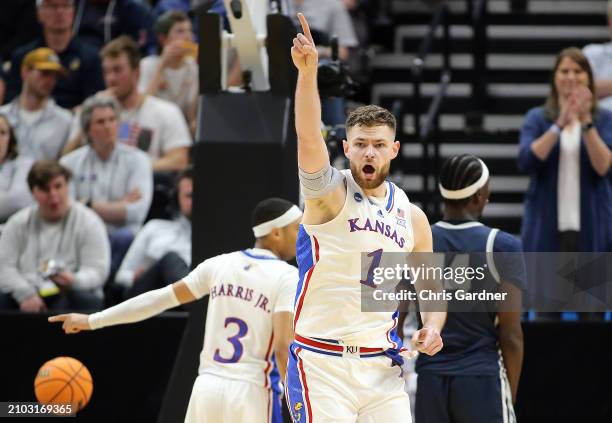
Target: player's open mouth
x=368 y=169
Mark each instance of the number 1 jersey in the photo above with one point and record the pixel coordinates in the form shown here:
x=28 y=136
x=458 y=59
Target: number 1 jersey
x=328 y=298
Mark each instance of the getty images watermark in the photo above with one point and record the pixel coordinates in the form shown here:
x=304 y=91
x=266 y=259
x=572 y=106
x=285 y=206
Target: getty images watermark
x=441 y=276
x=486 y=282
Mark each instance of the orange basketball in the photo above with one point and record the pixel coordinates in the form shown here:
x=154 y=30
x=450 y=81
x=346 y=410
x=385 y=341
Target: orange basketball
x=64 y=380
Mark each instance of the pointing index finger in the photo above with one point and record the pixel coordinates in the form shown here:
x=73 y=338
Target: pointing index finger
x=305 y=27
x=58 y=318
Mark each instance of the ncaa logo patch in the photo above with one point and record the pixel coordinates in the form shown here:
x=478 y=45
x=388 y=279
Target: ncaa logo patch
x=357 y=196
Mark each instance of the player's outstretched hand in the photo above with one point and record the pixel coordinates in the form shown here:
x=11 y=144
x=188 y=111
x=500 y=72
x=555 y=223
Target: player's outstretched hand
x=427 y=340
x=304 y=52
x=72 y=322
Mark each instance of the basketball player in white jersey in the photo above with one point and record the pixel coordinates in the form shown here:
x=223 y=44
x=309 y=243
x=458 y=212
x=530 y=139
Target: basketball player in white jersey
x=249 y=320
x=341 y=362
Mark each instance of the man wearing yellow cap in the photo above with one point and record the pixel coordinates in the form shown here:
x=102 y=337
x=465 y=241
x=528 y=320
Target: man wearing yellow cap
x=44 y=59
x=81 y=60
x=42 y=126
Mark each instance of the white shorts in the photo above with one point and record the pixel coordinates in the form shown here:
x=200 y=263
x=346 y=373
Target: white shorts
x=327 y=388
x=220 y=400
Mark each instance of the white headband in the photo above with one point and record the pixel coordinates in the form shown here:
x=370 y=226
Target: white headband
x=263 y=229
x=468 y=191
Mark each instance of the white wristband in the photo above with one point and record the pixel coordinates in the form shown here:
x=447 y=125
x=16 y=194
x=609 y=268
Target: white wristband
x=555 y=128
x=135 y=309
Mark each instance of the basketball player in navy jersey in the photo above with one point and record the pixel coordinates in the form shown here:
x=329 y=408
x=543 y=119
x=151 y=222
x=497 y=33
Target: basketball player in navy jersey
x=474 y=379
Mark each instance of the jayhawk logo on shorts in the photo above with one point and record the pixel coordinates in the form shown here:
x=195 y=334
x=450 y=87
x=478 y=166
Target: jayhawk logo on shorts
x=297 y=416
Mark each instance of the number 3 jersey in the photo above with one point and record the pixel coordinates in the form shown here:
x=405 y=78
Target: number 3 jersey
x=246 y=288
x=328 y=297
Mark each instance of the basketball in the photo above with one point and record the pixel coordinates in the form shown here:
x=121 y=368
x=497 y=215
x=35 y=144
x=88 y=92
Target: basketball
x=63 y=380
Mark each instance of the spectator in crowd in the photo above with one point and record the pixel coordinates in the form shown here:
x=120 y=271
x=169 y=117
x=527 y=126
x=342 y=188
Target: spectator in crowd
x=55 y=253
x=565 y=147
x=161 y=252
x=328 y=18
x=42 y=126
x=80 y=59
x=100 y=21
x=211 y=6
x=113 y=179
x=173 y=76
x=600 y=58
x=147 y=122
x=193 y=8
x=14 y=193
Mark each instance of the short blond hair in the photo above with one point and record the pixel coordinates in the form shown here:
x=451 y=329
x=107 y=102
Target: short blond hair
x=122 y=44
x=369 y=116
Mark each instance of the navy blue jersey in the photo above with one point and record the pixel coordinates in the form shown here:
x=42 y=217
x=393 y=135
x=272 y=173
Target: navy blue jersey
x=471 y=338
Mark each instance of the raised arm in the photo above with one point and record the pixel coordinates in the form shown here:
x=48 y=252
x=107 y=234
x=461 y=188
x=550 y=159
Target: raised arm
x=543 y=145
x=312 y=152
x=322 y=185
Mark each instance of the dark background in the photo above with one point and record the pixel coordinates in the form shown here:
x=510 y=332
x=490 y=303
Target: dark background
x=567 y=375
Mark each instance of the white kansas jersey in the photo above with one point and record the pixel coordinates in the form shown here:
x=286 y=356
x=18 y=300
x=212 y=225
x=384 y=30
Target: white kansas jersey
x=246 y=288
x=328 y=298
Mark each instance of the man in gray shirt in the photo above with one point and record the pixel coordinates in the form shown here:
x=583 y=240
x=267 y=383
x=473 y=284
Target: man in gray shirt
x=42 y=127
x=55 y=253
x=156 y=126
x=114 y=179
